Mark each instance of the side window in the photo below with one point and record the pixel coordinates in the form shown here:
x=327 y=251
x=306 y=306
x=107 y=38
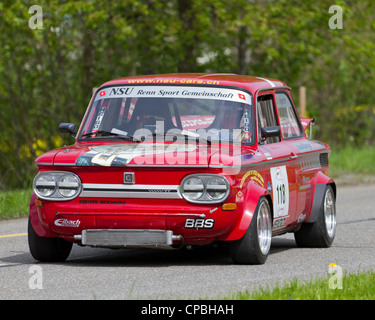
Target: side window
x=266 y=117
x=289 y=124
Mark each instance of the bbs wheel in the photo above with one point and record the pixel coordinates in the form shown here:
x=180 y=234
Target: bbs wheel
x=47 y=249
x=321 y=233
x=254 y=246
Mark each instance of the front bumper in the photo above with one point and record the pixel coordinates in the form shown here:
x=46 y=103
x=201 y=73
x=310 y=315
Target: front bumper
x=183 y=223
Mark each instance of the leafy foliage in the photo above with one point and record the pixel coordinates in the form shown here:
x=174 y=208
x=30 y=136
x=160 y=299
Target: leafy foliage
x=47 y=75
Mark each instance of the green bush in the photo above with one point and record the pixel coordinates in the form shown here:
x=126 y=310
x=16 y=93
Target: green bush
x=353 y=126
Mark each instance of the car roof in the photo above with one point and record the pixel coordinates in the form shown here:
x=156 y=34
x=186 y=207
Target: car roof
x=251 y=83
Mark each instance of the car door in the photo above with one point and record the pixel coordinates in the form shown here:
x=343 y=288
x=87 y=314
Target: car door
x=280 y=161
x=292 y=134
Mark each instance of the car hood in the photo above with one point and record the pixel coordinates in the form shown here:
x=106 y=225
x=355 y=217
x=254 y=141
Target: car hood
x=143 y=154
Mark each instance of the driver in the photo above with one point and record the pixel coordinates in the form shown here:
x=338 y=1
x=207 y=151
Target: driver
x=229 y=121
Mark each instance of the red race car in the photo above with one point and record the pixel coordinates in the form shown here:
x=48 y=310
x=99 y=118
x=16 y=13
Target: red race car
x=181 y=160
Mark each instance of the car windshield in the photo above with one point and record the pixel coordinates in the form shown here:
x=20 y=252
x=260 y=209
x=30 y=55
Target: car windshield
x=140 y=112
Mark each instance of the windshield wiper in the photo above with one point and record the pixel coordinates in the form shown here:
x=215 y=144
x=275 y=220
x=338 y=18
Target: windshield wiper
x=105 y=133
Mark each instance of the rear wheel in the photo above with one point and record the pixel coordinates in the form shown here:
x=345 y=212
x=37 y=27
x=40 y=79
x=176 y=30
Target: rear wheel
x=254 y=246
x=48 y=249
x=321 y=233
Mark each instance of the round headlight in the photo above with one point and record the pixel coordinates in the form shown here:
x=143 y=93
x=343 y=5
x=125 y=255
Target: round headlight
x=205 y=188
x=57 y=185
x=216 y=188
x=45 y=185
x=68 y=185
x=193 y=188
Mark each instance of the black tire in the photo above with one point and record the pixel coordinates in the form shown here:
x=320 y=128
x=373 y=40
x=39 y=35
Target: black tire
x=321 y=233
x=253 y=247
x=47 y=249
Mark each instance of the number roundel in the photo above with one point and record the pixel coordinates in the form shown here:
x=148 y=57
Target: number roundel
x=280 y=187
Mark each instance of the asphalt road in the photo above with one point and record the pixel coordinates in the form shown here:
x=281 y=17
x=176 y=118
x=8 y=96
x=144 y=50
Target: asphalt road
x=207 y=272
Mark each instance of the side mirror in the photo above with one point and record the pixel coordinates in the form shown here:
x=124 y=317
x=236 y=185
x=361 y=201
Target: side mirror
x=308 y=125
x=68 y=128
x=269 y=132
x=307 y=122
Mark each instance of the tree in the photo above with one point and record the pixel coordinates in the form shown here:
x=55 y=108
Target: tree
x=47 y=75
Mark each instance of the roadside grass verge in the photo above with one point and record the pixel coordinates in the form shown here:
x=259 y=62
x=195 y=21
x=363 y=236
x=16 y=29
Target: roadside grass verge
x=355 y=286
x=14 y=203
x=352 y=161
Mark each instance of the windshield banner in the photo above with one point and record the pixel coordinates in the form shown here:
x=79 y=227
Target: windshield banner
x=174 y=92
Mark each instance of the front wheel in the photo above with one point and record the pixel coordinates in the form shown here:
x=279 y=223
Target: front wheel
x=47 y=249
x=321 y=233
x=254 y=246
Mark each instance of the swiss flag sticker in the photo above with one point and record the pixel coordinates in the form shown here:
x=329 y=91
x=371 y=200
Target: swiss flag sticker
x=241 y=96
x=102 y=93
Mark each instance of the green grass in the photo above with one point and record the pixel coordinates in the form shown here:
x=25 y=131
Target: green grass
x=352 y=160
x=355 y=286
x=14 y=203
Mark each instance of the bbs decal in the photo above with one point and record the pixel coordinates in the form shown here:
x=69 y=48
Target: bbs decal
x=199 y=223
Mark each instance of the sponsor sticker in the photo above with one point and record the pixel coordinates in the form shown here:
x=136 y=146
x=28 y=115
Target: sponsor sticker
x=278 y=223
x=269 y=188
x=239 y=196
x=67 y=223
x=118 y=155
x=219 y=93
x=301 y=218
x=254 y=175
x=191 y=223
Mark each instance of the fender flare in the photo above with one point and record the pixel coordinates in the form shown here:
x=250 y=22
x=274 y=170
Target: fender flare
x=253 y=193
x=35 y=220
x=321 y=182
